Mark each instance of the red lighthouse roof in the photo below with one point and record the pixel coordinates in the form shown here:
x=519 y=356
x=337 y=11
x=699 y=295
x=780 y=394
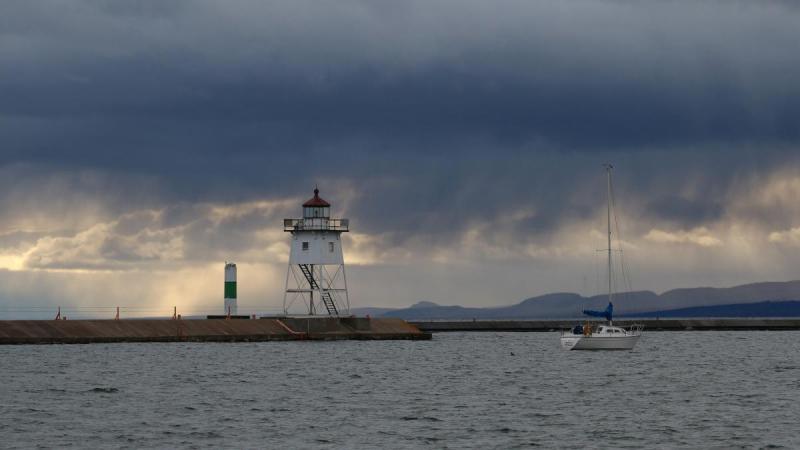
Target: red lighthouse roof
x=316 y=201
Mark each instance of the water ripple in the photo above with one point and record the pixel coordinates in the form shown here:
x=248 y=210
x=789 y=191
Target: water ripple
x=461 y=390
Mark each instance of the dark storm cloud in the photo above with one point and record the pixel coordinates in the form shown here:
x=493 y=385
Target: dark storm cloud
x=717 y=72
x=686 y=212
x=441 y=114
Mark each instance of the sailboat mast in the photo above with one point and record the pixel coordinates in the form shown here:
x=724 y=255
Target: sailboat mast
x=608 y=218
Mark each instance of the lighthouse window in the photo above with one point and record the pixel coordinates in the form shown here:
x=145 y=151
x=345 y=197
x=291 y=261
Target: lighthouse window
x=330 y=246
x=305 y=246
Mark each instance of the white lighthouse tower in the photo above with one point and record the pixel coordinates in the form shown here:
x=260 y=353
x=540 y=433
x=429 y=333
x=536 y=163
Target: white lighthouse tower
x=315 y=281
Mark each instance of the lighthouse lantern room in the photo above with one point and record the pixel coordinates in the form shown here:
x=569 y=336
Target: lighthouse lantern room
x=316 y=281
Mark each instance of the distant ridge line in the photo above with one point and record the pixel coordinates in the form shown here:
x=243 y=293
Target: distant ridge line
x=767 y=309
x=762 y=295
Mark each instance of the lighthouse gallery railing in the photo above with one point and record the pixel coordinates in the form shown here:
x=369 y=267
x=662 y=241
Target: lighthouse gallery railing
x=316 y=224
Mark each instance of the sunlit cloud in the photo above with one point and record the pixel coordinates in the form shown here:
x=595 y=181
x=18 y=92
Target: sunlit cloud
x=699 y=236
x=789 y=237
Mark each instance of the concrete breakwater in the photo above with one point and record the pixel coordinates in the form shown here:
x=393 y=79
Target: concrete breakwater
x=649 y=324
x=205 y=330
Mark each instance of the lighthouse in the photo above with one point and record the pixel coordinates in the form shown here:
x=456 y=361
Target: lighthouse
x=315 y=281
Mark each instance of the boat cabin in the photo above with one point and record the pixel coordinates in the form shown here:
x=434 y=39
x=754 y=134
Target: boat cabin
x=605 y=329
x=602 y=330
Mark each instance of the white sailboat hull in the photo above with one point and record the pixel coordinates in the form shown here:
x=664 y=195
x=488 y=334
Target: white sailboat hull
x=599 y=342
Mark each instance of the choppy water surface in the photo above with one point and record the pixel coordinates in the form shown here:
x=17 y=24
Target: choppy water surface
x=461 y=390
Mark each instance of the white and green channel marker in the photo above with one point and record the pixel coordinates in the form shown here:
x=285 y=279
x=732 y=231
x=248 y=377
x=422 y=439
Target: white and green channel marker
x=230 y=289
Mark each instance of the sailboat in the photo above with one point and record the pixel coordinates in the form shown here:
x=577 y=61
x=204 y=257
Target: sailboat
x=602 y=337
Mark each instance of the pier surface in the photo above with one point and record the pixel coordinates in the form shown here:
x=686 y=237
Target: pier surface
x=206 y=330
x=434 y=326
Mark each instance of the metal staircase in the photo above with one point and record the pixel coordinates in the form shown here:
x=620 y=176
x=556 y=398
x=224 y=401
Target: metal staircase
x=306 y=269
x=327 y=299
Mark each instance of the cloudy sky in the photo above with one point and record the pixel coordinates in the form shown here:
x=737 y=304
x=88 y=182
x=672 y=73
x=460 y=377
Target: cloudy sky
x=142 y=144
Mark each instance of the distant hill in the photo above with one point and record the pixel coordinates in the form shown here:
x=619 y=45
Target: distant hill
x=424 y=305
x=760 y=309
x=568 y=305
x=369 y=311
x=375 y=312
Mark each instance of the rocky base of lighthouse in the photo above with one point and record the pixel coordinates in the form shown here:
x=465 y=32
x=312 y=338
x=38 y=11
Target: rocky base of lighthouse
x=206 y=330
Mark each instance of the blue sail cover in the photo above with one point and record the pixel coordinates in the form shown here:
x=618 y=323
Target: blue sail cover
x=607 y=313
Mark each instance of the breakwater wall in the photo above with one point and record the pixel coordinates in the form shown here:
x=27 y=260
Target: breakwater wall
x=205 y=330
x=435 y=326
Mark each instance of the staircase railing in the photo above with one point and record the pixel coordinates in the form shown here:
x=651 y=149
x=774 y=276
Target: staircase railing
x=327 y=298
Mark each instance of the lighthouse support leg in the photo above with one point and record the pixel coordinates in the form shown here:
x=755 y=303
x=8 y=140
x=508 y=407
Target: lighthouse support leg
x=346 y=292
x=286 y=291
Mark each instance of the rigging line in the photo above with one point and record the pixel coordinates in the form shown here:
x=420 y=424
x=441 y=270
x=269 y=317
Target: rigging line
x=623 y=266
x=626 y=274
x=614 y=288
x=596 y=261
x=626 y=280
x=611 y=206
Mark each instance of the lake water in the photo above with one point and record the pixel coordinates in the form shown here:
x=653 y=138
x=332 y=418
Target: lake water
x=460 y=390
